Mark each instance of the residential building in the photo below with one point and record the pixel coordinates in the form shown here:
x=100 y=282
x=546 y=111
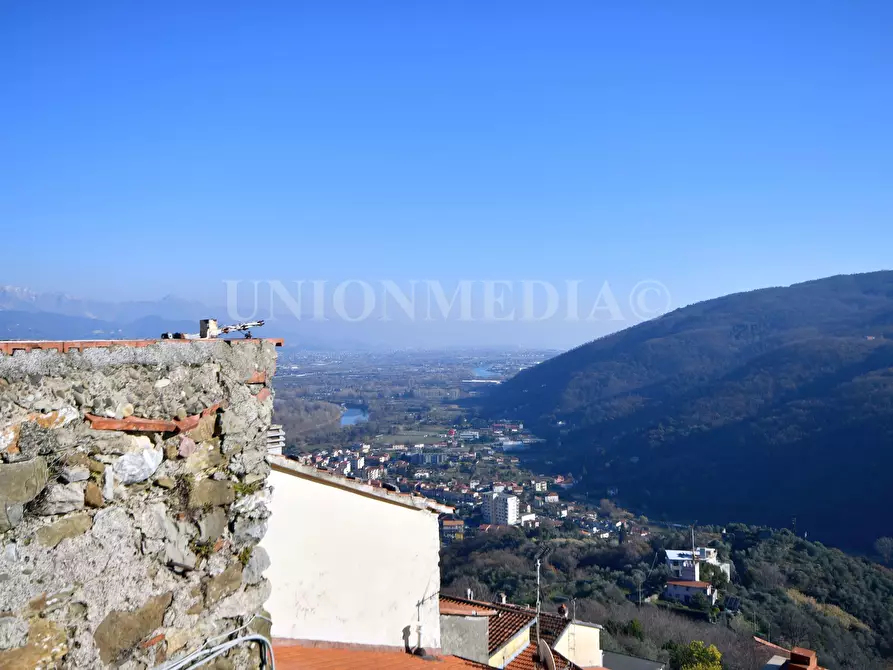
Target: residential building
x=451 y=530
x=684 y=565
x=310 y=554
x=551 y=498
x=429 y=458
x=529 y=520
x=469 y=435
x=541 y=485
x=374 y=473
x=500 y=509
x=503 y=635
x=797 y=658
x=683 y=591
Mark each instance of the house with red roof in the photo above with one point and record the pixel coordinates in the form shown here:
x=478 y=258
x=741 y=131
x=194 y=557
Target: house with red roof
x=683 y=591
x=503 y=635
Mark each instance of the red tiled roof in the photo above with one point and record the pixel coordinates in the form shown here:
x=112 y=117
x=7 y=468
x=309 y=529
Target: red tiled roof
x=508 y=622
x=806 y=653
x=310 y=658
x=551 y=627
x=691 y=585
x=529 y=660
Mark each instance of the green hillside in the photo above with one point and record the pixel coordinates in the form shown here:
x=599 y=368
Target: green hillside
x=754 y=407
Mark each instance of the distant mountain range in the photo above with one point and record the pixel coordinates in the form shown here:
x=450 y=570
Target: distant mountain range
x=15 y=298
x=25 y=314
x=29 y=315
x=756 y=407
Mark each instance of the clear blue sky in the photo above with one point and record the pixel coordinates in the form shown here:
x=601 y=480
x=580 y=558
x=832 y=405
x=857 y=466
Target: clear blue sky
x=160 y=147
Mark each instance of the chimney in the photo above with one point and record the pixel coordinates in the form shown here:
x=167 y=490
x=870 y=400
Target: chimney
x=502 y=598
x=469 y=594
x=562 y=610
x=802 y=659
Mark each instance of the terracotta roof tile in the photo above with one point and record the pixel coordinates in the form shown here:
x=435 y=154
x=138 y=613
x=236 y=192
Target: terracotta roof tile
x=689 y=584
x=504 y=626
x=552 y=626
x=529 y=660
x=310 y=658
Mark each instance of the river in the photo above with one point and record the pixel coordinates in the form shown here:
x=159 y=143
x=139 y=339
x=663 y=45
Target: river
x=353 y=416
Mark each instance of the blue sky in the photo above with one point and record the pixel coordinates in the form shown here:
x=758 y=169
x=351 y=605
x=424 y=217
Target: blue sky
x=161 y=147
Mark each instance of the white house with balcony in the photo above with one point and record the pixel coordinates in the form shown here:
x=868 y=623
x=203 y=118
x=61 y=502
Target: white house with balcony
x=685 y=565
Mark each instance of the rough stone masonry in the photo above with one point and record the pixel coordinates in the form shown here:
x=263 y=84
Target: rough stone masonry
x=132 y=497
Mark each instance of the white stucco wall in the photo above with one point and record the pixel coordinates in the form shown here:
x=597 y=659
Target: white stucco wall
x=581 y=644
x=350 y=568
x=510 y=649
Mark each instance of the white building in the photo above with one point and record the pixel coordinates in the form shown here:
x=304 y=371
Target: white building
x=501 y=509
x=469 y=435
x=683 y=566
x=529 y=520
x=320 y=527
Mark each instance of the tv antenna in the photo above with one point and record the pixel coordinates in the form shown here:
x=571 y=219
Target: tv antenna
x=540 y=555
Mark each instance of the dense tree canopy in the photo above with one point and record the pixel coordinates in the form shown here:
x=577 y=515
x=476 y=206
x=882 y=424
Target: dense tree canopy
x=796 y=592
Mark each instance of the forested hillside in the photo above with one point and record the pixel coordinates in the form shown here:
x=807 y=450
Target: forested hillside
x=754 y=407
x=794 y=591
x=302 y=418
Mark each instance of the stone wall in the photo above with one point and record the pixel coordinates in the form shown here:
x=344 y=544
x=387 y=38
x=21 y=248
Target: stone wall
x=132 y=497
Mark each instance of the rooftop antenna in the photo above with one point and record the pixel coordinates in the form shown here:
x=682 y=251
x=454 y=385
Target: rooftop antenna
x=694 y=556
x=540 y=555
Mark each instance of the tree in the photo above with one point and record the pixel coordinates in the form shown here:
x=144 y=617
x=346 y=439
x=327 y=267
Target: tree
x=714 y=574
x=700 y=602
x=696 y=656
x=884 y=546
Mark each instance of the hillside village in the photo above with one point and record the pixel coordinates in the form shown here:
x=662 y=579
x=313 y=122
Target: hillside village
x=479 y=505
x=444 y=469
